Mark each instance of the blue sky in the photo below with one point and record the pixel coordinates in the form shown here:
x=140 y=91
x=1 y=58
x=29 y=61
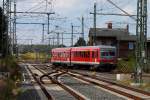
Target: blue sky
x=71 y=11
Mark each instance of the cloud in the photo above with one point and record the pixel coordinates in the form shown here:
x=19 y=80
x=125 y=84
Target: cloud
x=73 y=9
x=129 y=9
x=65 y=4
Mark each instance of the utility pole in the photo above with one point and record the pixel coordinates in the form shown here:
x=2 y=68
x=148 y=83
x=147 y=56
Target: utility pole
x=43 y=28
x=53 y=41
x=62 y=39
x=10 y=28
x=43 y=33
x=31 y=42
x=94 y=39
x=48 y=23
x=94 y=25
x=48 y=15
x=57 y=38
x=141 y=32
x=6 y=12
x=49 y=39
x=82 y=27
x=14 y=31
x=71 y=34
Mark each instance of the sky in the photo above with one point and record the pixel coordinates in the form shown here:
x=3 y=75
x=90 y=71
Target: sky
x=69 y=12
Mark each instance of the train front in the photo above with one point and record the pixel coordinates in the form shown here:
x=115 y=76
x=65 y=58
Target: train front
x=108 y=58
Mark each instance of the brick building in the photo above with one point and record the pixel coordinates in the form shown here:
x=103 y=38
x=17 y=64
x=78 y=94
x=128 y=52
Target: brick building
x=119 y=37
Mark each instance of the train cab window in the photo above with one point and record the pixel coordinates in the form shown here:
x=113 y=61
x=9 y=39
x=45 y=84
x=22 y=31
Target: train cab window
x=112 y=53
x=104 y=54
x=108 y=53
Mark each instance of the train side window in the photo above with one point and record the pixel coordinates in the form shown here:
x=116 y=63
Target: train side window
x=83 y=54
x=88 y=54
x=78 y=54
x=96 y=54
x=75 y=54
x=93 y=55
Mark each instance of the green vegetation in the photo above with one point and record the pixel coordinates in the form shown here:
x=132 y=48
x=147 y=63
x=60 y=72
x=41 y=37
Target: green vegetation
x=80 y=42
x=8 y=84
x=42 y=57
x=35 y=48
x=126 y=65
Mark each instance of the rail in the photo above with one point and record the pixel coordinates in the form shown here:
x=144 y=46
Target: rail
x=41 y=86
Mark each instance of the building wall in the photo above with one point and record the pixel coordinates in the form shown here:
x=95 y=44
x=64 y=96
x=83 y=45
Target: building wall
x=106 y=41
x=126 y=48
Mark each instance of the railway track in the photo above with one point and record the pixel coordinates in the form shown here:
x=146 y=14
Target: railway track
x=104 y=79
x=75 y=94
x=49 y=97
x=87 y=90
x=120 y=89
x=129 y=92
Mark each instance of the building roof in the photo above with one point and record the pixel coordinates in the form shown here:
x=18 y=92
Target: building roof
x=119 y=33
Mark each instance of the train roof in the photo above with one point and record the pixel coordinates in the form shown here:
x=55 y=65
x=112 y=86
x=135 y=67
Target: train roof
x=99 y=46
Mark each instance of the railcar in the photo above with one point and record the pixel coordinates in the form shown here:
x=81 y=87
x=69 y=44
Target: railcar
x=101 y=57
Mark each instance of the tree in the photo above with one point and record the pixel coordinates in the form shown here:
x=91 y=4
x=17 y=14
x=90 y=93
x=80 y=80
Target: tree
x=3 y=36
x=80 y=42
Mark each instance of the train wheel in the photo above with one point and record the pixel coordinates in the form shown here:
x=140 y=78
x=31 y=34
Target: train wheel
x=93 y=68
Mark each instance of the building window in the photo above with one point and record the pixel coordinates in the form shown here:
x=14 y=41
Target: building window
x=131 y=46
x=103 y=42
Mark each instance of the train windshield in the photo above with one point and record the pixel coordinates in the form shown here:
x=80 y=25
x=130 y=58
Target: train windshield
x=107 y=53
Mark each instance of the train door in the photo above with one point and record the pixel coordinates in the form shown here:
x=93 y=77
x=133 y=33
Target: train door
x=94 y=56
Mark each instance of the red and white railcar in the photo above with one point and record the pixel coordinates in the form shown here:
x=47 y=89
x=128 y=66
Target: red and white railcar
x=97 y=56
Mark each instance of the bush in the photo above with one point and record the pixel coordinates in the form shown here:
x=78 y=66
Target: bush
x=126 y=65
x=43 y=57
x=6 y=87
x=9 y=64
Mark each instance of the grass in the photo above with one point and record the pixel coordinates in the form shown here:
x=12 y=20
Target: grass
x=145 y=86
x=42 y=57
